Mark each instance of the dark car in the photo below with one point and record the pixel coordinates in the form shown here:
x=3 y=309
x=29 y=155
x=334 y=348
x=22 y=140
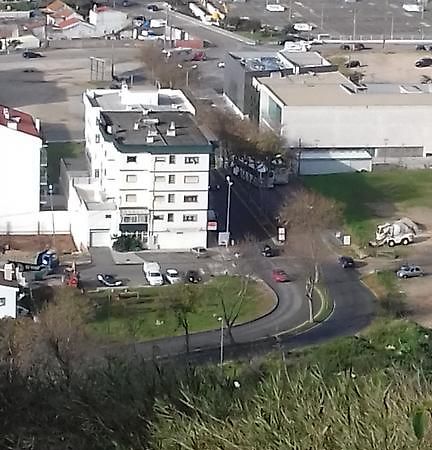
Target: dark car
x=153 y=8
x=108 y=280
x=352 y=64
x=420 y=48
x=358 y=47
x=192 y=276
x=268 y=251
x=32 y=55
x=424 y=62
x=346 y=262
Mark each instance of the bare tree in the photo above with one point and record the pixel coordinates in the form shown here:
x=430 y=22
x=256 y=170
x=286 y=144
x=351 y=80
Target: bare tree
x=306 y=216
x=55 y=343
x=183 y=303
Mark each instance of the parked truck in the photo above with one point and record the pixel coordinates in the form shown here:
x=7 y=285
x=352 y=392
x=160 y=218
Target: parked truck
x=401 y=231
x=46 y=260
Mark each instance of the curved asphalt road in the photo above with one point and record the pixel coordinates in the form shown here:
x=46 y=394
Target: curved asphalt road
x=354 y=309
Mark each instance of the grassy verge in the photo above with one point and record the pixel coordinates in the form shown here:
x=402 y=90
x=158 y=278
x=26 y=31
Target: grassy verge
x=151 y=314
x=385 y=287
x=58 y=150
x=367 y=197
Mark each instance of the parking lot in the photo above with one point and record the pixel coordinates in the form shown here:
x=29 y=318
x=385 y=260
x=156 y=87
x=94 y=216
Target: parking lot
x=362 y=18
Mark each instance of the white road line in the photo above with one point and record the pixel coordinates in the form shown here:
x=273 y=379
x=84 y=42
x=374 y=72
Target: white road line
x=299 y=4
x=371 y=4
x=392 y=5
x=408 y=14
x=425 y=24
x=297 y=14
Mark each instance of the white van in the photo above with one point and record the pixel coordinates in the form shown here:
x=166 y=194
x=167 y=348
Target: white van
x=275 y=7
x=152 y=273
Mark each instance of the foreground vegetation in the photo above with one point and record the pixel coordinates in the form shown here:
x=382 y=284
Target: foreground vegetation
x=372 y=391
x=367 y=196
x=161 y=311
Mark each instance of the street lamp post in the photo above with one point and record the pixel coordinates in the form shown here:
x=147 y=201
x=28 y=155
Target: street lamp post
x=228 y=211
x=187 y=72
x=50 y=193
x=220 y=319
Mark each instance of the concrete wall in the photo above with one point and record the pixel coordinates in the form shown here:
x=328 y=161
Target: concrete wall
x=20 y=174
x=35 y=223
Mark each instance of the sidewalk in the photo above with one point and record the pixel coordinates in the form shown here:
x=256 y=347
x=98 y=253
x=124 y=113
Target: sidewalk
x=123 y=258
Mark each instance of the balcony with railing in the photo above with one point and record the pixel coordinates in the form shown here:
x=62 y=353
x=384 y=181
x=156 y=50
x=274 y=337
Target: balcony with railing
x=43 y=176
x=43 y=157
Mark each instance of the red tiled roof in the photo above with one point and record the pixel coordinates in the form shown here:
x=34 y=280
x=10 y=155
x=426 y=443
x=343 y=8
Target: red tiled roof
x=56 y=5
x=25 y=122
x=68 y=23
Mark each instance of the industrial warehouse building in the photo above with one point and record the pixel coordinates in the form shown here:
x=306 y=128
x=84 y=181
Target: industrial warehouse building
x=327 y=111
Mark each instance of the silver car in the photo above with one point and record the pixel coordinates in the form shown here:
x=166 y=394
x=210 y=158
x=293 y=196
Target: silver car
x=199 y=252
x=409 y=271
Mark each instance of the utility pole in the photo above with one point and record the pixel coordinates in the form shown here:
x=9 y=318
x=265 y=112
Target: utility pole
x=228 y=211
x=322 y=18
x=392 y=27
x=221 y=357
x=354 y=23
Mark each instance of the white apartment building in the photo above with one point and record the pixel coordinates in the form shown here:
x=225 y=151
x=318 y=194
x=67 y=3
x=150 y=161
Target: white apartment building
x=23 y=166
x=149 y=166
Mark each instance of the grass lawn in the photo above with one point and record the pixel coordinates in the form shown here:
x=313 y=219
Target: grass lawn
x=361 y=194
x=58 y=150
x=151 y=315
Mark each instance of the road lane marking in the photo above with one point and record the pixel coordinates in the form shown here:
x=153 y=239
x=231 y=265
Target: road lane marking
x=425 y=24
x=299 y=4
x=392 y=5
x=408 y=14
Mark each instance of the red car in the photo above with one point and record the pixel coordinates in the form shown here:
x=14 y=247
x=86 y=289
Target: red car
x=279 y=275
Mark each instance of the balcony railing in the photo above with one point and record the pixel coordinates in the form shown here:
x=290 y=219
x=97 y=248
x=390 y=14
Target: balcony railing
x=43 y=176
x=43 y=157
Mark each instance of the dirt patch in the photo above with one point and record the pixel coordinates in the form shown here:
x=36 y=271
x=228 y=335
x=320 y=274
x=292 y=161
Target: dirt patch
x=382 y=209
x=62 y=243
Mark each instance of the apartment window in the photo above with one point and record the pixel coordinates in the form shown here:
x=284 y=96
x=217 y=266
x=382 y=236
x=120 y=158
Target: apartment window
x=171 y=198
x=190 y=199
x=2 y=301
x=97 y=138
x=131 y=159
x=159 y=198
x=171 y=179
x=160 y=159
x=191 y=159
x=134 y=218
x=158 y=217
x=131 y=198
x=131 y=178
x=190 y=218
x=97 y=173
x=107 y=216
x=170 y=217
x=172 y=159
x=159 y=179
x=191 y=179
x=97 y=121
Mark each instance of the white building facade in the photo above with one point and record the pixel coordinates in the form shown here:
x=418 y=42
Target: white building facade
x=23 y=163
x=107 y=20
x=8 y=300
x=328 y=112
x=149 y=169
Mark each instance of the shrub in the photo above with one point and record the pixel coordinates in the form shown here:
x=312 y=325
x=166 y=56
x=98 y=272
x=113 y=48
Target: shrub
x=127 y=244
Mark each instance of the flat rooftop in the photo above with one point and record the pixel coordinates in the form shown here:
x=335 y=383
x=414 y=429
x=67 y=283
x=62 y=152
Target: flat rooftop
x=93 y=200
x=305 y=59
x=134 y=128
x=333 y=89
x=138 y=100
x=258 y=61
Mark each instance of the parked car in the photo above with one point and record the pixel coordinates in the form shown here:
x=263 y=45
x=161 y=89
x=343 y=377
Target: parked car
x=152 y=273
x=173 y=276
x=279 y=275
x=221 y=64
x=268 y=251
x=420 y=48
x=357 y=47
x=424 y=62
x=153 y=8
x=192 y=276
x=108 y=280
x=352 y=64
x=345 y=47
x=409 y=271
x=199 y=252
x=346 y=262
x=32 y=55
